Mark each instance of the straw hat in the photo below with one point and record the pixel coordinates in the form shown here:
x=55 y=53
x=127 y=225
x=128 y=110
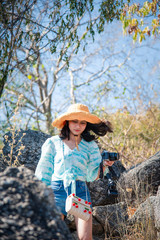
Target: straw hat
x=76 y=111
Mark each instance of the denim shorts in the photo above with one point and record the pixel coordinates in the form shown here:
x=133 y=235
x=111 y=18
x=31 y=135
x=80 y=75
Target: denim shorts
x=60 y=194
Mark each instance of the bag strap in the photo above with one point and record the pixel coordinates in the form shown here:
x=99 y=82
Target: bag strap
x=101 y=174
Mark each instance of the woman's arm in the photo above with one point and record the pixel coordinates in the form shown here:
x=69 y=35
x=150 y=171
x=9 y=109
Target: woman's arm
x=95 y=159
x=45 y=167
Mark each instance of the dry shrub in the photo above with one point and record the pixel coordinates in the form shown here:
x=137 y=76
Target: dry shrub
x=10 y=160
x=135 y=137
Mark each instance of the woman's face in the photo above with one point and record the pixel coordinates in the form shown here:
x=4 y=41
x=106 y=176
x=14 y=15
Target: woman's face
x=76 y=127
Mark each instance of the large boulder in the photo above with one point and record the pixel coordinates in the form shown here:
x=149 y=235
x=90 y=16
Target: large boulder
x=21 y=193
x=99 y=190
x=108 y=221
x=112 y=218
x=99 y=193
x=30 y=154
x=147 y=217
x=28 y=209
x=141 y=181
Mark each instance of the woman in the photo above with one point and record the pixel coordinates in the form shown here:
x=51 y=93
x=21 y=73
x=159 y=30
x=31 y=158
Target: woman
x=71 y=159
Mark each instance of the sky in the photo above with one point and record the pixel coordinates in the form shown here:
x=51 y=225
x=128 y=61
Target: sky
x=139 y=75
x=131 y=85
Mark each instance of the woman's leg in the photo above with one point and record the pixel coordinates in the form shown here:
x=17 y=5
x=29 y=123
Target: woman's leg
x=84 y=228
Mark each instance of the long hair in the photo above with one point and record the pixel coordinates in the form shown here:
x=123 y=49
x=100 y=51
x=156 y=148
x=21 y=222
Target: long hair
x=99 y=129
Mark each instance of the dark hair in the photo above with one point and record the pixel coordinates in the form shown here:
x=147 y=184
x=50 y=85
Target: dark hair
x=99 y=129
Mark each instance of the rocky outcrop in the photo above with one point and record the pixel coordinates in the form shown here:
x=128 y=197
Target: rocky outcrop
x=32 y=142
x=28 y=209
x=112 y=218
x=108 y=221
x=141 y=181
x=137 y=188
x=147 y=216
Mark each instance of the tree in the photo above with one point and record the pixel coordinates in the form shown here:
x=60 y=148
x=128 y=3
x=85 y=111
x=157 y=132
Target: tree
x=64 y=19
x=62 y=24
x=13 y=18
x=133 y=19
x=39 y=87
x=103 y=71
x=62 y=28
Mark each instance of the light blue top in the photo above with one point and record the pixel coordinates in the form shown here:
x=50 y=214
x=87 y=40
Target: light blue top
x=59 y=162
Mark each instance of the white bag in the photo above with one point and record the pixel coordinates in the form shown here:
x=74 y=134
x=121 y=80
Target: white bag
x=78 y=207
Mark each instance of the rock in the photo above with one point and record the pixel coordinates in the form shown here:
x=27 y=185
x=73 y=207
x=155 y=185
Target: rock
x=147 y=217
x=28 y=209
x=112 y=218
x=99 y=189
x=143 y=180
x=29 y=212
x=99 y=193
x=143 y=220
x=3 y=165
x=109 y=220
x=32 y=142
x=70 y=222
x=145 y=212
x=157 y=211
x=116 y=170
x=98 y=228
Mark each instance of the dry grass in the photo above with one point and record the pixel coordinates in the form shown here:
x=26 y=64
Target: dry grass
x=10 y=159
x=135 y=137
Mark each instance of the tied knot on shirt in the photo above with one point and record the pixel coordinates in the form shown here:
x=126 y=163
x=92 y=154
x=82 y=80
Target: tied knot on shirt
x=70 y=178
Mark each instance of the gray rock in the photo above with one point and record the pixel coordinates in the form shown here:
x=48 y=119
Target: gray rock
x=28 y=209
x=21 y=193
x=112 y=218
x=116 y=170
x=31 y=140
x=99 y=193
x=147 y=217
x=3 y=165
x=142 y=180
x=98 y=228
x=145 y=212
x=99 y=189
x=157 y=211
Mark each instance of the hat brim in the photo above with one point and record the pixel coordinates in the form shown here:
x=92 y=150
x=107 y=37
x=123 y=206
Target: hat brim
x=82 y=116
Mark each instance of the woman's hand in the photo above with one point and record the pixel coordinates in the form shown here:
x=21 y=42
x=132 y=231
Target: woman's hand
x=107 y=163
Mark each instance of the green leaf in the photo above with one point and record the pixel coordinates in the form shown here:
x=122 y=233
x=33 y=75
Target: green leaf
x=124 y=90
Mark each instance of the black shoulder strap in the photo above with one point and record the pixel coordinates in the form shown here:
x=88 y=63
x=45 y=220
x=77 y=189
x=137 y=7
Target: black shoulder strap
x=101 y=170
